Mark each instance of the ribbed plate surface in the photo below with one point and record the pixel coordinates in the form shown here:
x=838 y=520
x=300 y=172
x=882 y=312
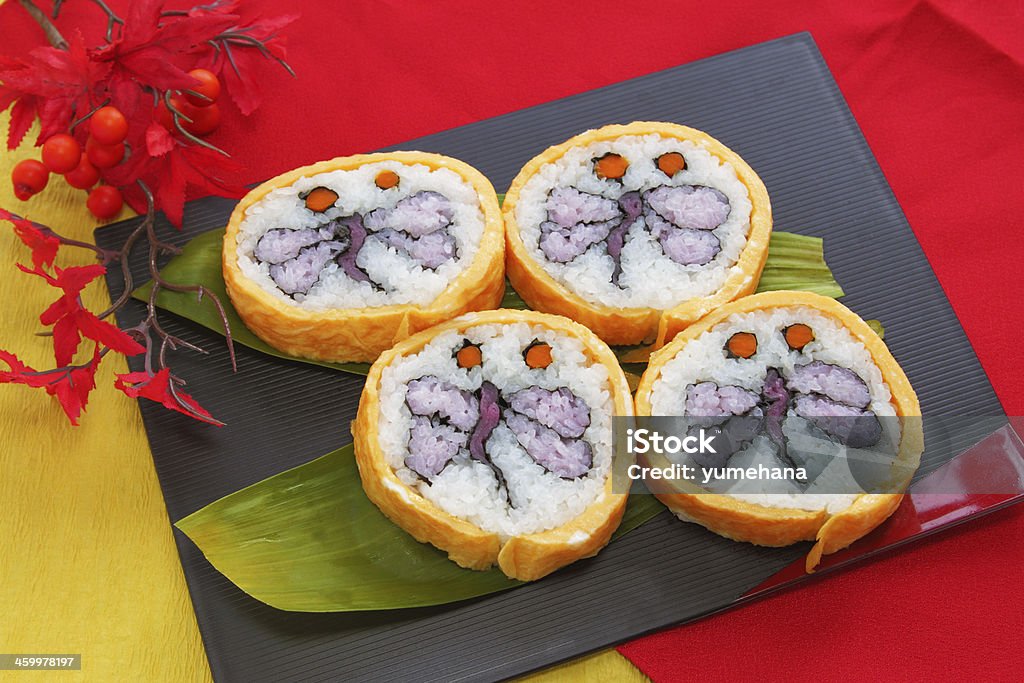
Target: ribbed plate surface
x=776 y=105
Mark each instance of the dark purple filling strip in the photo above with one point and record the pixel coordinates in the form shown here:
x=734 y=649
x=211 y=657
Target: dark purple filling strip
x=490 y=414
x=632 y=206
x=347 y=259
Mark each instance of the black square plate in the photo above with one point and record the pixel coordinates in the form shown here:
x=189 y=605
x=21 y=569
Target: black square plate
x=774 y=103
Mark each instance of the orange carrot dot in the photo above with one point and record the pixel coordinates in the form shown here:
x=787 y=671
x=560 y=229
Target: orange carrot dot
x=320 y=199
x=538 y=355
x=742 y=345
x=798 y=336
x=385 y=180
x=671 y=163
x=469 y=356
x=611 y=166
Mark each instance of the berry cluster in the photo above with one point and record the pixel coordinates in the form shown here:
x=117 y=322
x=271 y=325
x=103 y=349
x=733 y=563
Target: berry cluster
x=192 y=112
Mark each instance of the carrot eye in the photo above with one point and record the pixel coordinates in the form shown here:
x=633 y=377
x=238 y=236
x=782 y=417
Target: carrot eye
x=469 y=356
x=319 y=199
x=671 y=163
x=742 y=345
x=385 y=180
x=611 y=166
x=537 y=355
x=798 y=336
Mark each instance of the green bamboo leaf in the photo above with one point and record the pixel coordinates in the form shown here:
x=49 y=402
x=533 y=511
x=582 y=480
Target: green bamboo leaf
x=798 y=262
x=512 y=299
x=200 y=263
x=310 y=540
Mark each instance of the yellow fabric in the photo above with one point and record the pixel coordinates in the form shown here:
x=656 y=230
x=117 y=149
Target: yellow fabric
x=88 y=563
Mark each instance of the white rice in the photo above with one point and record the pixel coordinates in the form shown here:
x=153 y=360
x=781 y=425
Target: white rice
x=649 y=279
x=403 y=280
x=705 y=359
x=468 y=489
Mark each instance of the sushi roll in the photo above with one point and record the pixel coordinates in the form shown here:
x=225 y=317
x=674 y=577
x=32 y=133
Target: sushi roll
x=790 y=380
x=339 y=260
x=490 y=437
x=636 y=230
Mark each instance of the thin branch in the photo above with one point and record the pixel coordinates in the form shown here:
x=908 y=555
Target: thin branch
x=160 y=283
x=177 y=114
x=104 y=256
x=53 y=36
x=112 y=19
x=142 y=331
x=65 y=370
x=191 y=411
x=185 y=12
x=126 y=273
x=95 y=109
x=229 y=38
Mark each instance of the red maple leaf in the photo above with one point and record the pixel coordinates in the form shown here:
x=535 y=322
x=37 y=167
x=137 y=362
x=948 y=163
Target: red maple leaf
x=71 y=385
x=17 y=368
x=54 y=84
x=73 y=392
x=44 y=247
x=239 y=58
x=159 y=140
x=151 y=46
x=172 y=173
x=71 y=321
x=158 y=388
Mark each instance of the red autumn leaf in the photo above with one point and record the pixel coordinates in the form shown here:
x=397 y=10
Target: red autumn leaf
x=71 y=386
x=151 y=46
x=53 y=84
x=44 y=247
x=74 y=279
x=104 y=333
x=23 y=113
x=73 y=393
x=60 y=308
x=184 y=166
x=16 y=367
x=158 y=388
x=239 y=79
x=71 y=321
x=158 y=140
x=238 y=60
x=65 y=340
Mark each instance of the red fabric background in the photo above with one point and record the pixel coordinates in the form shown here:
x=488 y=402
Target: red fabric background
x=938 y=89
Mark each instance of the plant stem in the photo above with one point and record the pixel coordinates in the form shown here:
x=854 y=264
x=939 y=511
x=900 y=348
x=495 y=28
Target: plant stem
x=95 y=109
x=53 y=36
x=66 y=369
x=155 y=247
x=112 y=19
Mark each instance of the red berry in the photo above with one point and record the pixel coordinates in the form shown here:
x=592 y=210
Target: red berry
x=204 y=120
x=104 y=156
x=187 y=112
x=84 y=175
x=209 y=86
x=105 y=202
x=108 y=125
x=61 y=153
x=29 y=177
